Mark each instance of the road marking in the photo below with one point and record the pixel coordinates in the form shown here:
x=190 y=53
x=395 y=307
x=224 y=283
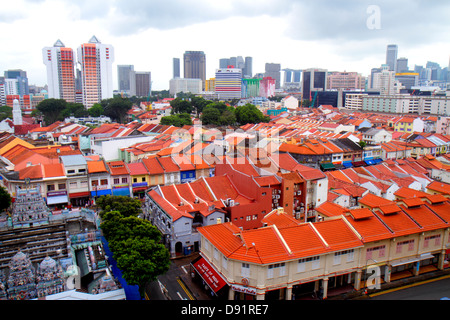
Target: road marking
x=185 y=289
x=408 y=286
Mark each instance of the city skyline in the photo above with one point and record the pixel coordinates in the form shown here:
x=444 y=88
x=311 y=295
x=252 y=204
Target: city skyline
x=344 y=37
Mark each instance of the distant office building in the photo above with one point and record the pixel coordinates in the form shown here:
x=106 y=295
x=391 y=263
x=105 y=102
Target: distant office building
x=372 y=72
x=60 y=64
x=210 y=85
x=384 y=81
x=408 y=79
x=402 y=65
x=22 y=80
x=176 y=67
x=292 y=79
x=143 y=81
x=96 y=61
x=273 y=70
x=250 y=88
x=313 y=80
x=185 y=85
x=345 y=81
x=126 y=78
x=195 y=65
x=229 y=83
x=391 y=56
x=224 y=63
x=267 y=87
x=247 y=72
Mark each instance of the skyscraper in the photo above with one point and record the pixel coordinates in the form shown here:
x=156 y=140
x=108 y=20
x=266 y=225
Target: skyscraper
x=96 y=60
x=176 y=67
x=391 y=56
x=60 y=63
x=195 y=65
x=143 y=83
x=313 y=80
x=127 y=80
x=22 y=80
x=248 y=69
x=273 y=70
x=229 y=83
x=402 y=65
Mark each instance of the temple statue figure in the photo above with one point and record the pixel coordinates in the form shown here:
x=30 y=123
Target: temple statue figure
x=49 y=278
x=30 y=208
x=21 y=281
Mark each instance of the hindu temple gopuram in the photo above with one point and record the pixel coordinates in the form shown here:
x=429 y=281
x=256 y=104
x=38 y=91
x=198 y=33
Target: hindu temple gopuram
x=48 y=254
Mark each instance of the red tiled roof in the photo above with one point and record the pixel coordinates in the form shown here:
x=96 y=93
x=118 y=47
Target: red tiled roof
x=168 y=164
x=117 y=168
x=137 y=168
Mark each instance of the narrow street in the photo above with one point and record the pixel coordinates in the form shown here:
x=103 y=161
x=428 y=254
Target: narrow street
x=176 y=284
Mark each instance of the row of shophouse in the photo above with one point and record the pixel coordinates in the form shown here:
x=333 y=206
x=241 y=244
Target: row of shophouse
x=379 y=242
x=68 y=178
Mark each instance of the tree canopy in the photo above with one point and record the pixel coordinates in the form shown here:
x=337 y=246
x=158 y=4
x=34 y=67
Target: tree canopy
x=51 y=110
x=136 y=247
x=177 y=120
x=116 y=108
x=5 y=199
x=5 y=112
x=125 y=205
x=135 y=243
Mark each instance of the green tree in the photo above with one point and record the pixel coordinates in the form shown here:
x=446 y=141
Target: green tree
x=177 y=120
x=136 y=247
x=96 y=110
x=249 y=113
x=5 y=112
x=228 y=117
x=181 y=106
x=116 y=108
x=76 y=110
x=5 y=199
x=141 y=261
x=52 y=110
x=125 y=205
x=199 y=103
x=210 y=115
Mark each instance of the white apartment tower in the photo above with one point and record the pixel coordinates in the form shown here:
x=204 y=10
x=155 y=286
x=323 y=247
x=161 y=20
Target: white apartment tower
x=96 y=61
x=60 y=63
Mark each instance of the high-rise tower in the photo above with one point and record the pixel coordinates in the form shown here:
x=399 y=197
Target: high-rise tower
x=391 y=56
x=195 y=65
x=60 y=63
x=96 y=61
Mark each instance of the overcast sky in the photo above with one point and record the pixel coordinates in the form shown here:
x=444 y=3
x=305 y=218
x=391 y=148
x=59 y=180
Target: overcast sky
x=336 y=35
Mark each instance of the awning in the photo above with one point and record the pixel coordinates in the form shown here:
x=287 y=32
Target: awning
x=137 y=189
x=57 y=199
x=338 y=166
x=400 y=262
x=358 y=163
x=100 y=193
x=327 y=166
x=79 y=195
x=207 y=272
x=369 y=162
x=347 y=164
x=377 y=160
x=121 y=191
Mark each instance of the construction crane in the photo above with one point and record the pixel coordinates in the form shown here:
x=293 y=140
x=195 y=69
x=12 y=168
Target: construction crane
x=314 y=100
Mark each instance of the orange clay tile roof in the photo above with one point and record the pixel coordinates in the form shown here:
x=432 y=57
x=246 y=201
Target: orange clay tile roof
x=96 y=166
x=370 y=228
x=117 y=168
x=374 y=201
x=153 y=166
x=53 y=170
x=137 y=168
x=424 y=217
x=168 y=164
x=280 y=219
x=331 y=209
